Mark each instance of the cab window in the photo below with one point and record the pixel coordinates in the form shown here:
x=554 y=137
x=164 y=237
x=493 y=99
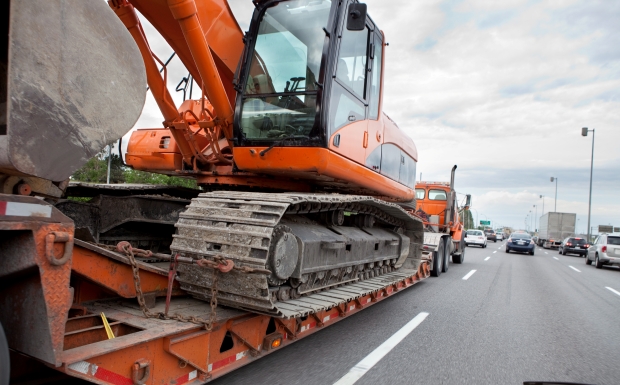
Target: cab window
x=437 y=195
x=420 y=193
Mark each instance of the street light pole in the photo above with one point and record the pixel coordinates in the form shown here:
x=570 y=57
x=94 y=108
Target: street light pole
x=555 y=202
x=536 y=218
x=584 y=132
x=543 y=209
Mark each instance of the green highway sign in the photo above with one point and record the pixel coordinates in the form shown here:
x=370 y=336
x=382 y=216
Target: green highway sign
x=487 y=223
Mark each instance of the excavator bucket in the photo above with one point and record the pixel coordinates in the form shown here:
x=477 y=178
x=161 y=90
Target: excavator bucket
x=72 y=81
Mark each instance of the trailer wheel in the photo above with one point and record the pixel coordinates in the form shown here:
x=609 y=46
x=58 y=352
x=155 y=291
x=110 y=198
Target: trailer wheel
x=446 y=255
x=437 y=261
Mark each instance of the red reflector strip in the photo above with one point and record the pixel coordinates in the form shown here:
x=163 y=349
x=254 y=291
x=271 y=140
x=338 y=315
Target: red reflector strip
x=99 y=373
x=19 y=209
x=228 y=360
x=111 y=377
x=187 y=377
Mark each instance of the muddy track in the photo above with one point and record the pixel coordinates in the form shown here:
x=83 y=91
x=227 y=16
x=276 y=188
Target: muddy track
x=242 y=227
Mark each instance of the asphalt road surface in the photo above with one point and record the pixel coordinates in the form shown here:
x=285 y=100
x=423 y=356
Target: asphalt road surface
x=515 y=318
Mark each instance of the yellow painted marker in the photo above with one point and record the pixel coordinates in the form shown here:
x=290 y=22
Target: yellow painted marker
x=108 y=329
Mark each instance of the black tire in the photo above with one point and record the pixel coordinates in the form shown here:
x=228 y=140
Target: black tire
x=531 y=252
x=507 y=250
x=563 y=252
x=598 y=263
x=5 y=363
x=588 y=261
x=446 y=256
x=459 y=258
x=559 y=251
x=437 y=261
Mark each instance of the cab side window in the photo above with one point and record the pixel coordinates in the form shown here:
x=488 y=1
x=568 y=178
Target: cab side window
x=437 y=195
x=375 y=82
x=352 y=60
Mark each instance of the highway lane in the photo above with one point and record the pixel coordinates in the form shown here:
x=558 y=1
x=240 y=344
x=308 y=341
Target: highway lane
x=517 y=317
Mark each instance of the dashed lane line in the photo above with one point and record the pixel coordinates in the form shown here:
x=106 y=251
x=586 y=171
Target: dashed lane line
x=556 y=258
x=494 y=252
x=546 y=252
x=466 y=277
x=612 y=290
x=376 y=355
x=487 y=258
x=577 y=270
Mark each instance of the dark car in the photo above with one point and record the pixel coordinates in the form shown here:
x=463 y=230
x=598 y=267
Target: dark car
x=490 y=235
x=574 y=245
x=521 y=242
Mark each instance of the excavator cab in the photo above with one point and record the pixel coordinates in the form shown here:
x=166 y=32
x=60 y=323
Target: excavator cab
x=311 y=76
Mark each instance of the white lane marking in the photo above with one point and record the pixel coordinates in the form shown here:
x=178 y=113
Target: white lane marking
x=556 y=258
x=612 y=290
x=546 y=252
x=577 y=270
x=466 y=277
x=376 y=355
x=495 y=252
x=487 y=258
x=499 y=248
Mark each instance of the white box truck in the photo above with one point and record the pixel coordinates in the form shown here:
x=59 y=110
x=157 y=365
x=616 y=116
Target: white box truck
x=554 y=227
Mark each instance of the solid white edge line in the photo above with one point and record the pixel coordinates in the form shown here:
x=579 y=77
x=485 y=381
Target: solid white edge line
x=556 y=258
x=612 y=290
x=577 y=270
x=376 y=355
x=466 y=277
x=487 y=258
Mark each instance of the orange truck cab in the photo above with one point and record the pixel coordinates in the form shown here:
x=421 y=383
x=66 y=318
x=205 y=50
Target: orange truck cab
x=443 y=231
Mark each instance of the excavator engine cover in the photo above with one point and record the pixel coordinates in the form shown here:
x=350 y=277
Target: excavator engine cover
x=72 y=82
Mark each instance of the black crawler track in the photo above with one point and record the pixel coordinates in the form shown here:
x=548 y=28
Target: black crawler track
x=241 y=226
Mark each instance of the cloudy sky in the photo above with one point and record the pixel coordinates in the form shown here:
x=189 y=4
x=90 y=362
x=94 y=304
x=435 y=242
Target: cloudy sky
x=502 y=89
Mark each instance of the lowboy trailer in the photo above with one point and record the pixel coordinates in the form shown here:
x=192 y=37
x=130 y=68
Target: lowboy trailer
x=57 y=291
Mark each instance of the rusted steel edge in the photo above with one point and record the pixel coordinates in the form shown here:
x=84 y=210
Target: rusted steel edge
x=120 y=257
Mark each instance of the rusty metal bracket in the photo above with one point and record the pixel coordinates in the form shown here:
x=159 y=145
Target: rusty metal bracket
x=253 y=351
x=286 y=329
x=135 y=371
x=359 y=303
x=341 y=312
x=319 y=322
x=374 y=296
x=58 y=237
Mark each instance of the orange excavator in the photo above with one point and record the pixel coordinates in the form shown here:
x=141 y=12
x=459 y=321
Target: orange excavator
x=290 y=140
x=307 y=188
